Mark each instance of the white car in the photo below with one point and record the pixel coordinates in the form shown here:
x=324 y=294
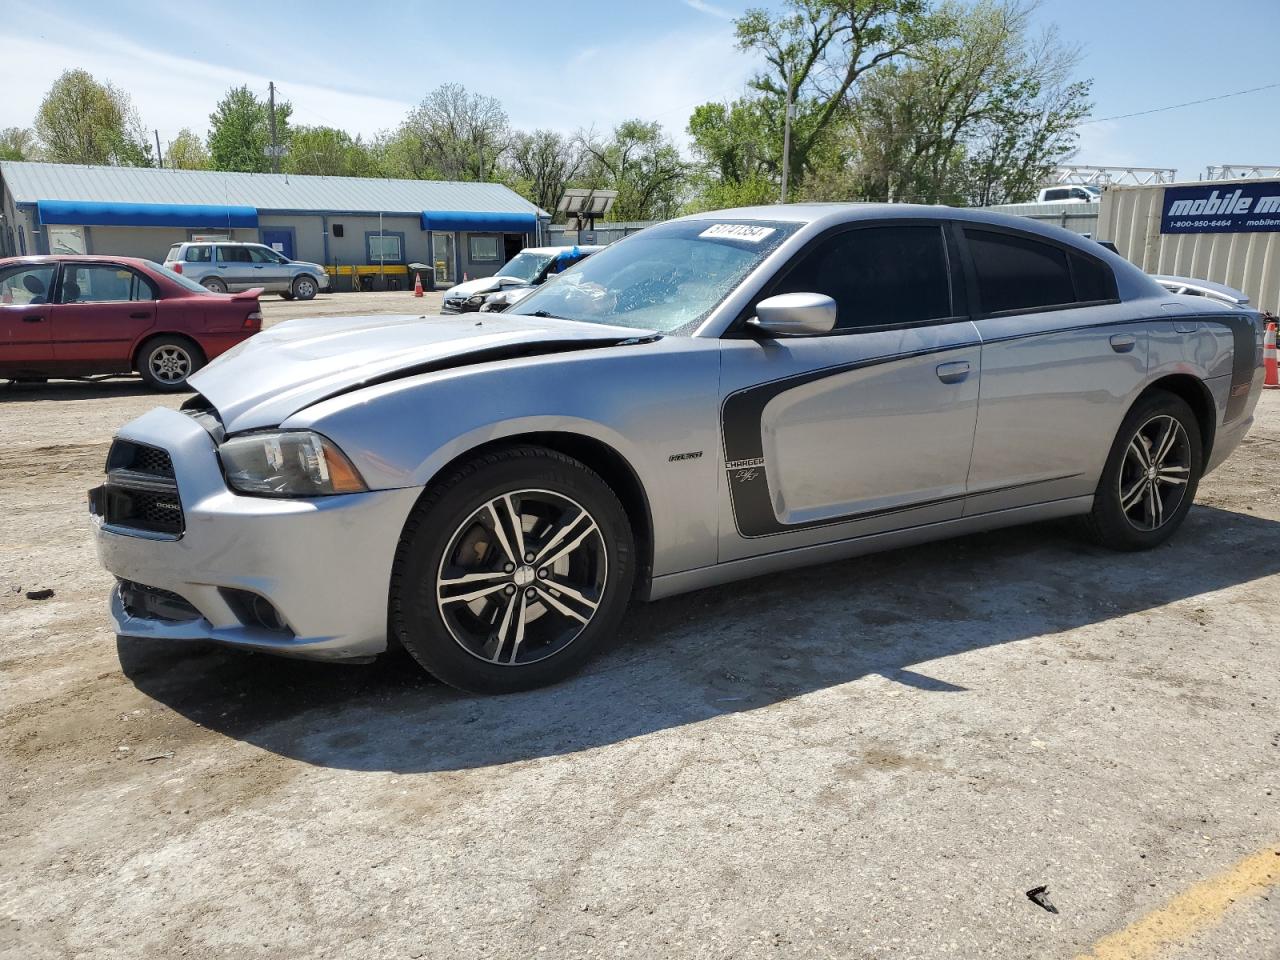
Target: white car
x=1088 y=193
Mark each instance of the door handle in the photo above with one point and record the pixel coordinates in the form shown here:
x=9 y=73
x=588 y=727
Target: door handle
x=1185 y=326
x=33 y=318
x=141 y=315
x=953 y=372
x=1122 y=343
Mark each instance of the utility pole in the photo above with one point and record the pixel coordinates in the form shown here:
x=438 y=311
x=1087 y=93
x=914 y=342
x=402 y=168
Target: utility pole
x=159 y=155
x=786 y=137
x=275 y=151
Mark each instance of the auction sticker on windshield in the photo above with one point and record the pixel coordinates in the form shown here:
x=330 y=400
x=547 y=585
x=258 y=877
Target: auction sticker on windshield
x=737 y=231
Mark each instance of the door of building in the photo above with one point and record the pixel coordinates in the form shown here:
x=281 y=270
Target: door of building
x=281 y=241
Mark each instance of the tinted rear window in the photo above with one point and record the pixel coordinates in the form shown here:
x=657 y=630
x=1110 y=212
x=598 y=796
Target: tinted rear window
x=1094 y=279
x=1016 y=273
x=878 y=276
x=198 y=254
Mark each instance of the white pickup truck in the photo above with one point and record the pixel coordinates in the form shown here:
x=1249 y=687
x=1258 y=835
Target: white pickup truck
x=1071 y=193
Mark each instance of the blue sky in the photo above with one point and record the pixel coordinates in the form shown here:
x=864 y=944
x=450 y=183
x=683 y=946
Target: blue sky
x=574 y=64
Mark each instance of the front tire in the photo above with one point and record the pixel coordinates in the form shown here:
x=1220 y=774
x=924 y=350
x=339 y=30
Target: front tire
x=512 y=572
x=165 y=362
x=1151 y=475
x=305 y=288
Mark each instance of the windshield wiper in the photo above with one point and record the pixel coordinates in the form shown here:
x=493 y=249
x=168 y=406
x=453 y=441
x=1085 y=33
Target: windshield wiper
x=544 y=315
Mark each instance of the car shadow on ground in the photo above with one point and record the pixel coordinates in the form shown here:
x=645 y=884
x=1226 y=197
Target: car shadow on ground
x=124 y=385
x=727 y=649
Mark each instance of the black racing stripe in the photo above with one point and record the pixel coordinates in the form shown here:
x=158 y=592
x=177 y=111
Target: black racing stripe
x=1245 y=359
x=742 y=411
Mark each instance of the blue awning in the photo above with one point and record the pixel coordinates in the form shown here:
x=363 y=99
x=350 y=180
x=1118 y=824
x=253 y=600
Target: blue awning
x=479 y=222
x=97 y=214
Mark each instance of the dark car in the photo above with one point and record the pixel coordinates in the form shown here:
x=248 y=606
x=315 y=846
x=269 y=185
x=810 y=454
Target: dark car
x=77 y=316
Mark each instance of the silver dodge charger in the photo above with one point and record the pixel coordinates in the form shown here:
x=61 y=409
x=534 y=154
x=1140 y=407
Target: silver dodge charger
x=718 y=397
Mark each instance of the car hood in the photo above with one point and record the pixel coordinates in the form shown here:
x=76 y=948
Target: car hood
x=480 y=285
x=274 y=374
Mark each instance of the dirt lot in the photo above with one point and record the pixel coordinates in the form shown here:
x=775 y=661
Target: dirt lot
x=875 y=758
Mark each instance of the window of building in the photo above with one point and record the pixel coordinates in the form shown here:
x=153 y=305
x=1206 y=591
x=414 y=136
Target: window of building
x=384 y=248
x=66 y=240
x=24 y=285
x=1018 y=273
x=102 y=283
x=878 y=276
x=484 y=249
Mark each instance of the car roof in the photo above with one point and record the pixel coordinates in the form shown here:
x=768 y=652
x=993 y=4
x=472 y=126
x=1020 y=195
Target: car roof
x=77 y=258
x=225 y=243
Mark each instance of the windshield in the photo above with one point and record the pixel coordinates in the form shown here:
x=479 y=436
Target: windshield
x=525 y=266
x=667 y=278
x=177 y=278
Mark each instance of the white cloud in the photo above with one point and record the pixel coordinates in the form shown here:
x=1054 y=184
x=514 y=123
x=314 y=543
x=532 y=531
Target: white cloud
x=709 y=8
x=660 y=77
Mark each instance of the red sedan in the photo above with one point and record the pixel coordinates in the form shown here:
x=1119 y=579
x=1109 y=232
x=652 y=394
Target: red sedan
x=79 y=316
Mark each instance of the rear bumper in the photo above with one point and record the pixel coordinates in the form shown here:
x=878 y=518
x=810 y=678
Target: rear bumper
x=324 y=565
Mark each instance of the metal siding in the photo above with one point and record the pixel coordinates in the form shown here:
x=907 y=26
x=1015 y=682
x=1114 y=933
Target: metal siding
x=266 y=191
x=1130 y=216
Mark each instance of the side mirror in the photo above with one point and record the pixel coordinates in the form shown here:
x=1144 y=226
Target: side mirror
x=795 y=314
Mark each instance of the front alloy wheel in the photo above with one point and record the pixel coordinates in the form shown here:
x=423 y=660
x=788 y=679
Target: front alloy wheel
x=512 y=571
x=522 y=577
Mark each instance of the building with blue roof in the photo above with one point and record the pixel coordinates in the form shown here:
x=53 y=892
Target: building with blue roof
x=354 y=226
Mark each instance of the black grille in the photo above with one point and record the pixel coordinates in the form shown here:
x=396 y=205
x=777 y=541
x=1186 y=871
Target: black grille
x=140 y=458
x=140 y=492
x=153 y=603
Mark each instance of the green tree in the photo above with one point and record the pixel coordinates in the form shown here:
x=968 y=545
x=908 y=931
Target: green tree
x=451 y=135
x=539 y=165
x=979 y=115
x=18 y=143
x=326 y=151
x=822 y=49
x=83 y=121
x=187 y=152
x=643 y=165
x=240 y=131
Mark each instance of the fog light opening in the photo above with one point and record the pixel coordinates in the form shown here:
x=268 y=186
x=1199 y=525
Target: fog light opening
x=254 y=610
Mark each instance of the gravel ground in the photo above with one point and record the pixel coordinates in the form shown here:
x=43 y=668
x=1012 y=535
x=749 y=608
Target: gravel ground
x=873 y=758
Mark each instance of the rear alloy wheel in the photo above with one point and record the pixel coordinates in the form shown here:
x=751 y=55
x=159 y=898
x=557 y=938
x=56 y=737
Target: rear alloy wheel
x=1151 y=476
x=305 y=288
x=165 y=363
x=512 y=572
x=214 y=285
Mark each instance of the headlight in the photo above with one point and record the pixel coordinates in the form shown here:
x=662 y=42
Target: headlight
x=475 y=300
x=288 y=463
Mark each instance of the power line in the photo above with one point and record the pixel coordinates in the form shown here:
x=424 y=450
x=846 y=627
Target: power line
x=1178 y=106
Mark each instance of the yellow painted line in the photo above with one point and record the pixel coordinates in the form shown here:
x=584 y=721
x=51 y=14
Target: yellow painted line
x=1193 y=912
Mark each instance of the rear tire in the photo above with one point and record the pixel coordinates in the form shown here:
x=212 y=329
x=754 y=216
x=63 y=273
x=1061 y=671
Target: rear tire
x=167 y=361
x=214 y=285
x=1151 y=475
x=491 y=607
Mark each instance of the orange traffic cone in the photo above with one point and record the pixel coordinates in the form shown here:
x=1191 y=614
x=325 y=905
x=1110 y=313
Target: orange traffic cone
x=417 y=284
x=464 y=278
x=1272 y=380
